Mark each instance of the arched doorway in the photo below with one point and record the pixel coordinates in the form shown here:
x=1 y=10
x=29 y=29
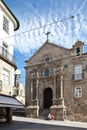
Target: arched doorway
x=48 y=98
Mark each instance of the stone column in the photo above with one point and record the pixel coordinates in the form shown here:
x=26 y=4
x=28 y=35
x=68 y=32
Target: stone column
x=31 y=93
x=61 y=107
x=37 y=82
x=54 y=88
x=37 y=96
x=33 y=109
x=60 y=110
x=61 y=87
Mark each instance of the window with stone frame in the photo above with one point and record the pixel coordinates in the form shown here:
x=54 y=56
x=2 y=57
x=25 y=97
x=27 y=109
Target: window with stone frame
x=5 y=24
x=46 y=57
x=78 y=72
x=78 y=92
x=65 y=66
x=47 y=72
x=6 y=76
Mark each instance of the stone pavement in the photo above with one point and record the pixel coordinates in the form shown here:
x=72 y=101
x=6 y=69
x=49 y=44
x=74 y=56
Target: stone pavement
x=52 y=122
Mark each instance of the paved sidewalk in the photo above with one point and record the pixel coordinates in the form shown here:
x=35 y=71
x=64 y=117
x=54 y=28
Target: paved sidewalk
x=52 y=122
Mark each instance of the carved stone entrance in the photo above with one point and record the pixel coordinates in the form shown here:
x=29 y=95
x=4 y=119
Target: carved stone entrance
x=48 y=98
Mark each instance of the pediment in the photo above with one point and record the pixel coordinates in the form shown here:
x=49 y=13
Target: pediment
x=46 y=52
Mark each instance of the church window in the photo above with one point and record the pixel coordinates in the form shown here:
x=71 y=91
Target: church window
x=78 y=51
x=47 y=72
x=78 y=92
x=47 y=59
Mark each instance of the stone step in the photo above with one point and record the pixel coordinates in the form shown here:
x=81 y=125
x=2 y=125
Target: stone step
x=45 y=112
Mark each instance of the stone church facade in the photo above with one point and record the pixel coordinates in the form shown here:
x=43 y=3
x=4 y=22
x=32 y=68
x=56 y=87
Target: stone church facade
x=56 y=82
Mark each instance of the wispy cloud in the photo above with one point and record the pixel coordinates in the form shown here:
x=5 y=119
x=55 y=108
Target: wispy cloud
x=65 y=32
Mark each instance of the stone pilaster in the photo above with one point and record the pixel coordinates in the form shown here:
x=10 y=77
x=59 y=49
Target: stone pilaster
x=59 y=111
x=31 y=92
x=54 y=89
x=32 y=111
x=37 y=95
x=37 y=84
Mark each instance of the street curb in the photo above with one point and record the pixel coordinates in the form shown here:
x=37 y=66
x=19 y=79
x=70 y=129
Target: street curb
x=52 y=122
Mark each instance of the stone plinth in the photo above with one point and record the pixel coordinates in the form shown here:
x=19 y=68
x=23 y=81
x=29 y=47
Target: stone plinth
x=32 y=111
x=54 y=101
x=59 y=112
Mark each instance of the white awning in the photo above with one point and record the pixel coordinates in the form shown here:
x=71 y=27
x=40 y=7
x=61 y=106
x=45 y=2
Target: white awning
x=9 y=101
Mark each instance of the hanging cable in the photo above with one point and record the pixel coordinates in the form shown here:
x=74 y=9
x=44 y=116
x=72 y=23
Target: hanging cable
x=37 y=28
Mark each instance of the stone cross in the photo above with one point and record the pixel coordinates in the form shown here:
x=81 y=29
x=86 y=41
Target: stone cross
x=47 y=35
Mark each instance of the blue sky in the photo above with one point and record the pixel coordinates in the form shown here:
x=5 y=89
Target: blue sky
x=37 y=13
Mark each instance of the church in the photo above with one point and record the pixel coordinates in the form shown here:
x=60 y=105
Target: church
x=56 y=82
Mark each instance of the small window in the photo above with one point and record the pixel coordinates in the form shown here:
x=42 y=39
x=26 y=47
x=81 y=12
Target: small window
x=78 y=92
x=65 y=66
x=47 y=72
x=78 y=51
x=47 y=59
x=5 y=25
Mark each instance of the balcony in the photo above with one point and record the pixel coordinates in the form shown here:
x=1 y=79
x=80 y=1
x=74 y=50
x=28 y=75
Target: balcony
x=6 y=56
x=78 y=76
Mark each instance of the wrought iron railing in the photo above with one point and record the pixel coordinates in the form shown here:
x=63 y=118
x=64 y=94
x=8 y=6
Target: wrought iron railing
x=78 y=76
x=6 y=55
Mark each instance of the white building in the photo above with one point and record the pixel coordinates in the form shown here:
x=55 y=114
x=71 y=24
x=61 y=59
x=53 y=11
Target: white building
x=8 y=24
x=21 y=93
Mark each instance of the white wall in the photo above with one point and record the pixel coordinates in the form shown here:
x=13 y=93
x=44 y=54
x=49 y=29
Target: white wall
x=10 y=42
x=7 y=88
x=3 y=34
